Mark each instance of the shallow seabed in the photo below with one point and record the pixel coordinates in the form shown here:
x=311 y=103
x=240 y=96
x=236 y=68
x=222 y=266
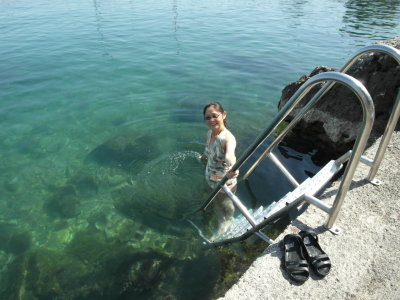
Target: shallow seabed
x=101 y=126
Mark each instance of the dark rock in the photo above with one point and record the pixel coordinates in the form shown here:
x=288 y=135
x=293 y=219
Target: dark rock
x=44 y=274
x=19 y=242
x=88 y=245
x=141 y=277
x=64 y=203
x=85 y=184
x=125 y=270
x=95 y=267
x=333 y=123
x=90 y=268
x=122 y=199
x=14 y=279
x=13 y=239
x=60 y=225
x=125 y=151
x=97 y=217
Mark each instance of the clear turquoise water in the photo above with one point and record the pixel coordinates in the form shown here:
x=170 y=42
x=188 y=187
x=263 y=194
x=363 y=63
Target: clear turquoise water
x=76 y=74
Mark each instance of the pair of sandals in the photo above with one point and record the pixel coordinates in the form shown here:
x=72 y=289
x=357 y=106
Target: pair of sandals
x=301 y=251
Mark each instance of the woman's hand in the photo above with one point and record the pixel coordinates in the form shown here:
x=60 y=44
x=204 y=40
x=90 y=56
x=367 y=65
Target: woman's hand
x=231 y=174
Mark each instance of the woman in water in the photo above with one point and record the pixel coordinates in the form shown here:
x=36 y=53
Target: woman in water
x=220 y=156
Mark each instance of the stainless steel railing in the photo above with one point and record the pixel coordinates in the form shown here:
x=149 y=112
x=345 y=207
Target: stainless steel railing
x=331 y=78
x=395 y=54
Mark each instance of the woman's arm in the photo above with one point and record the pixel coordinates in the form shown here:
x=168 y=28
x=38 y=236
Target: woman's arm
x=230 y=146
x=230 y=157
x=204 y=156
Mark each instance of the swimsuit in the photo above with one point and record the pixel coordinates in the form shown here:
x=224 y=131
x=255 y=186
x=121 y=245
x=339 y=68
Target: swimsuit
x=216 y=165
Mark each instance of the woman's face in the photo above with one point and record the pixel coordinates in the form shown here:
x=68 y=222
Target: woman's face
x=214 y=118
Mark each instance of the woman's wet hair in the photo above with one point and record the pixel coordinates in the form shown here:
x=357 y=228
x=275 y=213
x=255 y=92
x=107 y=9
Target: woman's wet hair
x=218 y=107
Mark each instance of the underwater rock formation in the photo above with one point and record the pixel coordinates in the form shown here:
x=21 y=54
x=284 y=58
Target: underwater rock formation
x=125 y=151
x=13 y=240
x=64 y=203
x=85 y=184
x=333 y=122
x=93 y=266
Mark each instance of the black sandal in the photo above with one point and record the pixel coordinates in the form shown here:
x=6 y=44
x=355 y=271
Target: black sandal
x=294 y=261
x=316 y=257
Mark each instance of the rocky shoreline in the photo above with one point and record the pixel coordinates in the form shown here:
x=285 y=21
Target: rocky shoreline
x=333 y=122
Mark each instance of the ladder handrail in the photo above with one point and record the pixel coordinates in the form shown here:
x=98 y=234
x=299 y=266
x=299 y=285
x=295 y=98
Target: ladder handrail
x=386 y=49
x=332 y=77
x=353 y=156
x=389 y=50
x=394 y=116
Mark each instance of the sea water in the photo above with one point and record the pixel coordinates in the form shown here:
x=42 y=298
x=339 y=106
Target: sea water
x=101 y=125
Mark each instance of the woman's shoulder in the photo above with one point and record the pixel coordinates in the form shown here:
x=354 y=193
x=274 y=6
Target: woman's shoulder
x=228 y=135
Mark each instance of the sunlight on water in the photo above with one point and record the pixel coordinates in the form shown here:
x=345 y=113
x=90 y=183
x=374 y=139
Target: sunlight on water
x=101 y=126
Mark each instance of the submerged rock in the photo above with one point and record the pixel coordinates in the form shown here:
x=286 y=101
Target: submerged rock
x=13 y=239
x=85 y=184
x=91 y=267
x=19 y=242
x=141 y=277
x=333 y=123
x=44 y=274
x=110 y=257
x=64 y=203
x=125 y=151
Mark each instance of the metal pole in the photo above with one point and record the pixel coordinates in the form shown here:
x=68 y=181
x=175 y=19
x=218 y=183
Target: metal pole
x=345 y=157
x=246 y=213
x=358 y=148
x=264 y=237
x=389 y=50
x=318 y=203
x=367 y=161
x=394 y=116
x=240 y=206
x=285 y=172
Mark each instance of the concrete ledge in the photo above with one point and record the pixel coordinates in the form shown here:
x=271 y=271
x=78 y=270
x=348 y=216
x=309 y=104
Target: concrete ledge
x=365 y=256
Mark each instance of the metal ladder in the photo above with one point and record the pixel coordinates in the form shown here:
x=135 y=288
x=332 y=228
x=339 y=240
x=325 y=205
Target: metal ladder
x=251 y=222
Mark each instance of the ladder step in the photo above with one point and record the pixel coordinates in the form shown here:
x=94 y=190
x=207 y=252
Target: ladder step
x=310 y=186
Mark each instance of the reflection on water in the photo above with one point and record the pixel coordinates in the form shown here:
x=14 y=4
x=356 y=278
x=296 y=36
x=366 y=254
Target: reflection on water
x=175 y=25
x=368 y=18
x=294 y=9
x=98 y=27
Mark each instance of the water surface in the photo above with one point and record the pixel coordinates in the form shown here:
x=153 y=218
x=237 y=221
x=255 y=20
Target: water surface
x=100 y=114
